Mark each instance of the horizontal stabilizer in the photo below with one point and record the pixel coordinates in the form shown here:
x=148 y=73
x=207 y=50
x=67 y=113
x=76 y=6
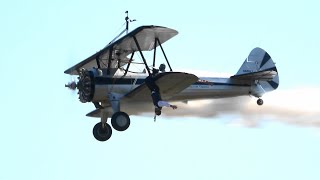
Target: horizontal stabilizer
x=266 y=75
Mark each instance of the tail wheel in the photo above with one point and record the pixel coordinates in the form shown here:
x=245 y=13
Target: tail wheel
x=120 y=121
x=259 y=102
x=102 y=133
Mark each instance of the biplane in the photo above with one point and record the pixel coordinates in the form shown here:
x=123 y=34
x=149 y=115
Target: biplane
x=105 y=79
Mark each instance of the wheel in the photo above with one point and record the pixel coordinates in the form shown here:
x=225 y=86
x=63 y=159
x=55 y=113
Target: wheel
x=120 y=121
x=102 y=133
x=259 y=102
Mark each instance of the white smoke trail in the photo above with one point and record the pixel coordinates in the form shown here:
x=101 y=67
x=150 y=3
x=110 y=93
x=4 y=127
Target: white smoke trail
x=296 y=106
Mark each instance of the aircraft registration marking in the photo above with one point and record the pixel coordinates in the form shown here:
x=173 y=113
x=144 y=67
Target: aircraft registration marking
x=201 y=86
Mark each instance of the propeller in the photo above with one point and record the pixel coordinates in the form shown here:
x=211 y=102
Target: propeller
x=84 y=84
x=71 y=85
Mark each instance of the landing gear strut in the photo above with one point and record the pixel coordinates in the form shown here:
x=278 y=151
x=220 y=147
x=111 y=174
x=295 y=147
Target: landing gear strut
x=120 y=121
x=259 y=102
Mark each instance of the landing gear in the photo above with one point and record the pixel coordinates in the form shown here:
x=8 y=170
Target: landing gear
x=259 y=102
x=102 y=132
x=120 y=121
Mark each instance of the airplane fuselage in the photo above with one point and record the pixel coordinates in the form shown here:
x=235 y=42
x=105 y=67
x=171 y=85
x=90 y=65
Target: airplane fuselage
x=205 y=88
x=211 y=88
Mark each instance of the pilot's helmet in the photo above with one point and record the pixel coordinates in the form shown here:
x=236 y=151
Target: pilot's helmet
x=162 y=67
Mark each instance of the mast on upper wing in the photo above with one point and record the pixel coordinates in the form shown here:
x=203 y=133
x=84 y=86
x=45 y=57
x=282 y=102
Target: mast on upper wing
x=128 y=20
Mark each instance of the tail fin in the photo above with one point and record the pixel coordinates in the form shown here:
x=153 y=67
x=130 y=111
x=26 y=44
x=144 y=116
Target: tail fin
x=260 y=69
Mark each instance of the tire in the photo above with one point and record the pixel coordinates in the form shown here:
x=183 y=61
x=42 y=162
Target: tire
x=102 y=134
x=259 y=102
x=120 y=121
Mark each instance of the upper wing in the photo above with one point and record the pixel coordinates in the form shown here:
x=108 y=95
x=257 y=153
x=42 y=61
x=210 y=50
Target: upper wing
x=118 y=51
x=170 y=84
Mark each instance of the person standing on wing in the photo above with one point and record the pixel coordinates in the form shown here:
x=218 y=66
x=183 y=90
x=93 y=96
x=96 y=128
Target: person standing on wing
x=155 y=94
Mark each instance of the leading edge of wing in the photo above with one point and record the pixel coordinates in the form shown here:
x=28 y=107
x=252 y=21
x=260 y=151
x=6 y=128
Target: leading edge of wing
x=94 y=113
x=145 y=36
x=169 y=83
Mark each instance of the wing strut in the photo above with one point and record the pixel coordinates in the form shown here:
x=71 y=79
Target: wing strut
x=144 y=60
x=157 y=40
x=126 y=71
x=154 y=52
x=98 y=60
x=110 y=58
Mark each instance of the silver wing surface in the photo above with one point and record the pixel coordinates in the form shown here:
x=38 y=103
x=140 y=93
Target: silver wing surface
x=169 y=83
x=115 y=54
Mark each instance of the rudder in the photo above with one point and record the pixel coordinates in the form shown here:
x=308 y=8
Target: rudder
x=258 y=60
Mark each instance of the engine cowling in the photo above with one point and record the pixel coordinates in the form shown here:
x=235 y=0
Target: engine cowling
x=86 y=86
x=95 y=84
